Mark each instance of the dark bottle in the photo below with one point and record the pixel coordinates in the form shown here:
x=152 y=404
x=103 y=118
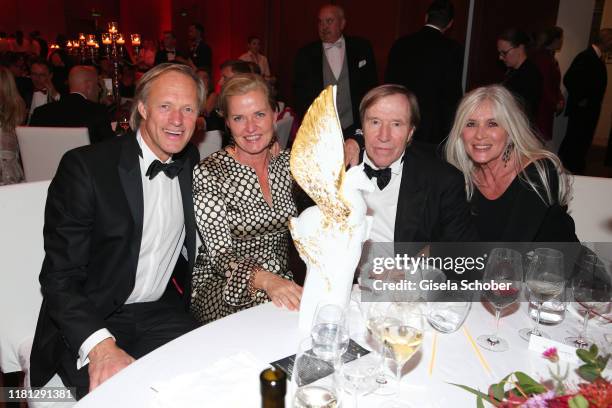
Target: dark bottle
x=273 y=388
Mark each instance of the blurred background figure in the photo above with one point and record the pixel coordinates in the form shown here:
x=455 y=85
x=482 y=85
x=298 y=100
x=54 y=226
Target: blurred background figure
x=254 y=55
x=12 y=114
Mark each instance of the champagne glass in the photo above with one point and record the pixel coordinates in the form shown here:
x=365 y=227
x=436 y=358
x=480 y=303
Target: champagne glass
x=592 y=288
x=359 y=375
x=376 y=318
x=313 y=379
x=545 y=281
x=402 y=335
x=504 y=270
x=330 y=335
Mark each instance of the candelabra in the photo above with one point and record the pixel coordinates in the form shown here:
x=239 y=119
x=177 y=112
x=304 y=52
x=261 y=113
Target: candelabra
x=113 y=41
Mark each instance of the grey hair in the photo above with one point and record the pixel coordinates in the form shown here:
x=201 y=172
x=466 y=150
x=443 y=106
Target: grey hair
x=144 y=87
x=527 y=147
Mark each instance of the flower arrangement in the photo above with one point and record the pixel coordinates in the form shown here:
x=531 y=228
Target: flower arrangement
x=520 y=390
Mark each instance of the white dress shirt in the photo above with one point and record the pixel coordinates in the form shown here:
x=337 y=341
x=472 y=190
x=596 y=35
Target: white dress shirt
x=163 y=236
x=334 y=52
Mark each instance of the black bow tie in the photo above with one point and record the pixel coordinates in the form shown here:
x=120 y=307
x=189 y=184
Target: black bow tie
x=171 y=169
x=383 y=176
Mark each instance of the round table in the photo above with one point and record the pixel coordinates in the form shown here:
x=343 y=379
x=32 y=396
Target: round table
x=266 y=333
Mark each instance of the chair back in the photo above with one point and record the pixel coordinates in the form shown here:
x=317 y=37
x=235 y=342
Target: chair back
x=207 y=142
x=283 y=130
x=43 y=147
x=591 y=208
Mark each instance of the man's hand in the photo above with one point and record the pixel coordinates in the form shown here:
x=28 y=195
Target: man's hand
x=106 y=360
x=351 y=153
x=281 y=291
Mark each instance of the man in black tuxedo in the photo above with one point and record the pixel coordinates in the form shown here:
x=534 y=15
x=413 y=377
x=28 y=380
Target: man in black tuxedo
x=417 y=197
x=586 y=81
x=347 y=62
x=169 y=53
x=79 y=108
x=431 y=66
x=119 y=223
x=201 y=54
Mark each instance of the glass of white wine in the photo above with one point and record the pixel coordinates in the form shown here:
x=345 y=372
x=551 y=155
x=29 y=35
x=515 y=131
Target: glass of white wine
x=545 y=280
x=592 y=289
x=504 y=266
x=402 y=335
x=376 y=318
x=313 y=379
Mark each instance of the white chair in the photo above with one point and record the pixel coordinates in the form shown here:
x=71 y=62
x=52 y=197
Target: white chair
x=591 y=208
x=22 y=252
x=207 y=142
x=43 y=147
x=283 y=130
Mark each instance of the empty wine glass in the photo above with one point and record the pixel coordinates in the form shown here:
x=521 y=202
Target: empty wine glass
x=592 y=288
x=330 y=334
x=313 y=379
x=375 y=319
x=545 y=280
x=359 y=375
x=504 y=270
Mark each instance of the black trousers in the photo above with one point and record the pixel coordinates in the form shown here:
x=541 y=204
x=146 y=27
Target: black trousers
x=138 y=328
x=581 y=126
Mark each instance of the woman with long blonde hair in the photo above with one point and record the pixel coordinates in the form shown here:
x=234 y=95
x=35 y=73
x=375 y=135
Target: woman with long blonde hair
x=12 y=114
x=518 y=190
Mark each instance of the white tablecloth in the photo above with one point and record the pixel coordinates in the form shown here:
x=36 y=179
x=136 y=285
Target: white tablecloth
x=269 y=334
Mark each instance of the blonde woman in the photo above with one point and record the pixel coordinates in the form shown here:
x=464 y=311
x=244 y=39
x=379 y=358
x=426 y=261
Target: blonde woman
x=12 y=114
x=518 y=191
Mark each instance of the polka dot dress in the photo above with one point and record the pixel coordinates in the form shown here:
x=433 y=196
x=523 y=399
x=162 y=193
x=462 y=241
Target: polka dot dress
x=239 y=231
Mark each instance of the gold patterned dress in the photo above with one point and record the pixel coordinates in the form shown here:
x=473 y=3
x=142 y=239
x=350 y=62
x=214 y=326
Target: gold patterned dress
x=239 y=230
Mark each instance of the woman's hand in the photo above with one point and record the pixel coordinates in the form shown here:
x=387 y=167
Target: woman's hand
x=281 y=291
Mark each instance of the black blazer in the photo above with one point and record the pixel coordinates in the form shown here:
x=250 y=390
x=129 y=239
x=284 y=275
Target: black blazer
x=308 y=73
x=586 y=80
x=430 y=65
x=432 y=205
x=92 y=234
x=201 y=56
x=161 y=56
x=74 y=110
x=525 y=83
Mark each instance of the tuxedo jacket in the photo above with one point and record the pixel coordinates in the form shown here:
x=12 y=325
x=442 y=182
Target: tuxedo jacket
x=201 y=56
x=308 y=73
x=161 y=56
x=431 y=66
x=74 y=110
x=586 y=80
x=92 y=235
x=431 y=205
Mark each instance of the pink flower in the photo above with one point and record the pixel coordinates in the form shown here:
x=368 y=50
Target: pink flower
x=551 y=354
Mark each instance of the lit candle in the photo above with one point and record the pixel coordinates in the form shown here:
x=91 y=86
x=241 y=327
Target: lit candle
x=135 y=39
x=81 y=37
x=113 y=27
x=91 y=40
x=96 y=44
x=106 y=39
x=120 y=39
x=69 y=44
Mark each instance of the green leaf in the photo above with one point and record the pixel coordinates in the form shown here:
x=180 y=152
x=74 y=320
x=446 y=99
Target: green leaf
x=475 y=392
x=498 y=391
x=578 y=402
x=528 y=384
x=586 y=356
x=594 y=350
x=588 y=372
x=479 y=403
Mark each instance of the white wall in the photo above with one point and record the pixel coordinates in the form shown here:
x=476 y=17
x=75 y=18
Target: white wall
x=575 y=17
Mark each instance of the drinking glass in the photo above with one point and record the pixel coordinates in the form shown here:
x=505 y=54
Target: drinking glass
x=592 y=288
x=376 y=317
x=313 y=379
x=545 y=280
x=402 y=335
x=330 y=334
x=448 y=311
x=359 y=375
x=504 y=266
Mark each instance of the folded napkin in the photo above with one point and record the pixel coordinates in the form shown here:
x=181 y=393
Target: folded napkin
x=229 y=382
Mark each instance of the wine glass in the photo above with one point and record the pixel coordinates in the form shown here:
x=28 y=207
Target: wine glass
x=402 y=335
x=592 y=288
x=313 y=378
x=376 y=317
x=545 y=281
x=330 y=334
x=504 y=271
x=359 y=375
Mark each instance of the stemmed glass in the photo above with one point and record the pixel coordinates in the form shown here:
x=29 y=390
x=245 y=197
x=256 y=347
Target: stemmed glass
x=592 y=288
x=504 y=267
x=376 y=318
x=313 y=378
x=359 y=375
x=402 y=335
x=545 y=281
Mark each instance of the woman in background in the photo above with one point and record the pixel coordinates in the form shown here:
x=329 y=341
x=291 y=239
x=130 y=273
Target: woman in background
x=12 y=114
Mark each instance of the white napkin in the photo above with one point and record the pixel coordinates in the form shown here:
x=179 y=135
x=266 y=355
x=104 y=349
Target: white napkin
x=229 y=382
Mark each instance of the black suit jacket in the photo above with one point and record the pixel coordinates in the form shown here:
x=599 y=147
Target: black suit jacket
x=525 y=83
x=92 y=234
x=161 y=56
x=308 y=73
x=430 y=65
x=432 y=204
x=201 y=56
x=74 y=110
x=586 y=80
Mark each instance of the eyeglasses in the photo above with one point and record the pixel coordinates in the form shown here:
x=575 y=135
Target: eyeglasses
x=504 y=53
